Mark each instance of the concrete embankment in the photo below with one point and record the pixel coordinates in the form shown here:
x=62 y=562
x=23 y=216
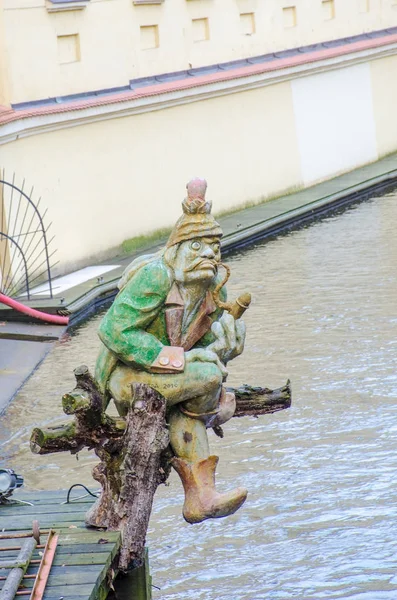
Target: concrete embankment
x=23 y=346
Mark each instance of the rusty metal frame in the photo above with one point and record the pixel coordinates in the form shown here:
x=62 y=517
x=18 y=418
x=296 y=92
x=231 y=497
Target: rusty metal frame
x=45 y=566
x=15 y=536
x=43 y=572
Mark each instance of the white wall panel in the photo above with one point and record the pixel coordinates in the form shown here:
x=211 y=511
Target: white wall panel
x=334 y=121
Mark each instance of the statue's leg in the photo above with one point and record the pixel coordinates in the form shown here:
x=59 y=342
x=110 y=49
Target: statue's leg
x=193 y=463
x=198 y=386
x=193 y=398
x=188 y=436
x=189 y=420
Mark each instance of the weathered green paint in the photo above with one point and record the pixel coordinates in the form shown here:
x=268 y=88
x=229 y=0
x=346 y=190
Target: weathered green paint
x=134 y=329
x=52 y=509
x=167 y=330
x=79 y=554
x=136 y=585
x=83 y=558
x=68 y=576
x=18 y=568
x=81 y=563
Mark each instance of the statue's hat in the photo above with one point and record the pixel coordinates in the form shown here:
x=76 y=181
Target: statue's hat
x=196 y=220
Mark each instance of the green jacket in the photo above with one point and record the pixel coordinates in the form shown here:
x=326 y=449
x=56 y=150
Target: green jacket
x=146 y=316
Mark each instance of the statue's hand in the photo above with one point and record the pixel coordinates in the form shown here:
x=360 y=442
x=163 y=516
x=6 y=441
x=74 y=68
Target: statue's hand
x=205 y=355
x=230 y=337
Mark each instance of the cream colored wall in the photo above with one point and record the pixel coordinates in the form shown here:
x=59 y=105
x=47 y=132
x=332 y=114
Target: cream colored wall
x=4 y=70
x=335 y=123
x=106 y=182
x=384 y=91
x=122 y=176
x=109 y=54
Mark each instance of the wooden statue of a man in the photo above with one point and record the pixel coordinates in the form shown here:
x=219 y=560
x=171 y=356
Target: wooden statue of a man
x=166 y=329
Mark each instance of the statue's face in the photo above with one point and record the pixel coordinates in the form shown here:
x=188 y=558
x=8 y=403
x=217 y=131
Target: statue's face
x=197 y=260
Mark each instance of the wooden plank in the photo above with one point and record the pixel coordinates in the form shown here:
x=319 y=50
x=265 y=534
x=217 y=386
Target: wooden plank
x=82 y=558
x=88 y=548
x=133 y=586
x=59 y=500
x=80 y=564
x=62 y=577
x=84 y=536
x=89 y=581
x=70 y=537
x=11 y=543
x=43 y=517
x=24 y=494
x=51 y=595
x=77 y=560
x=73 y=558
x=70 y=575
x=94 y=548
x=48 y=595
x=59 y=572
x=136 y=585
x=46 y=522
x=73 y=589
x=50 y=496
x=43 y=509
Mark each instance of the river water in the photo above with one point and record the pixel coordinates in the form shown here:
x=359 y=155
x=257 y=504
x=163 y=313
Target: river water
x=320 y=519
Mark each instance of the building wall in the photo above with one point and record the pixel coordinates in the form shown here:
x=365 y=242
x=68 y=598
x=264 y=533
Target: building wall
x=109 y=181
x=109 y=176
x=384 y=89
x=335 y=122
x=109 y=42
x=4 y=72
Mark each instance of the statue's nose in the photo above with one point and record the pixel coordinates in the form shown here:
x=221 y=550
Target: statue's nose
x=208 y=252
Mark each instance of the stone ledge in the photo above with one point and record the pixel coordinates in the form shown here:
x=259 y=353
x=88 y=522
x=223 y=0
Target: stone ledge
x=32 y=120
x=141 y=2
x=65 y=5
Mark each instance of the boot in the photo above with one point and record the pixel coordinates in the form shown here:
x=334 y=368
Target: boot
x=202 y=501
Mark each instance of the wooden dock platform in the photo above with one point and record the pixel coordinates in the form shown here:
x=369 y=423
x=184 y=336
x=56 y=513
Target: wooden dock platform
x=83 y=567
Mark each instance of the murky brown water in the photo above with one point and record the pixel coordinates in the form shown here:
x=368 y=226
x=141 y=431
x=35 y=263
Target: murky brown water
x=320 y=519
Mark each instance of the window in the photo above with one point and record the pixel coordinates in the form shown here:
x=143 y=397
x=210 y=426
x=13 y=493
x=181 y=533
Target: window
x=289 y=16
x=328 y=7
x=247 y=23
x=200 y=29
x=149 y=37
x=68 y=48
x=363 y=6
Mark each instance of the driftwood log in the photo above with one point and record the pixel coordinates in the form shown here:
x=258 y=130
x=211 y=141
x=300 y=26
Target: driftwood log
x=134 y=452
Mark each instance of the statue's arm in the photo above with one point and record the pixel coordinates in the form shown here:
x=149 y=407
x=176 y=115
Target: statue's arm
x=123 y=329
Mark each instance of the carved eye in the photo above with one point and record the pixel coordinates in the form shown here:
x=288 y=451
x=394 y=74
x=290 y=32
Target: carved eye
x=195 y=245
x=215 y=248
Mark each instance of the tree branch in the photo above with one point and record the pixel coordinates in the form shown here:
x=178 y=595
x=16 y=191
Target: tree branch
x=134 y=452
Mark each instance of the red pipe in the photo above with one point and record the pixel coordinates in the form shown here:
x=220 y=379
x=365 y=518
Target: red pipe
x=37 y=314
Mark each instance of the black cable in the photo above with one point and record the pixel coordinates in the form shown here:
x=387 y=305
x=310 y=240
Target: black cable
x=79 y=485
